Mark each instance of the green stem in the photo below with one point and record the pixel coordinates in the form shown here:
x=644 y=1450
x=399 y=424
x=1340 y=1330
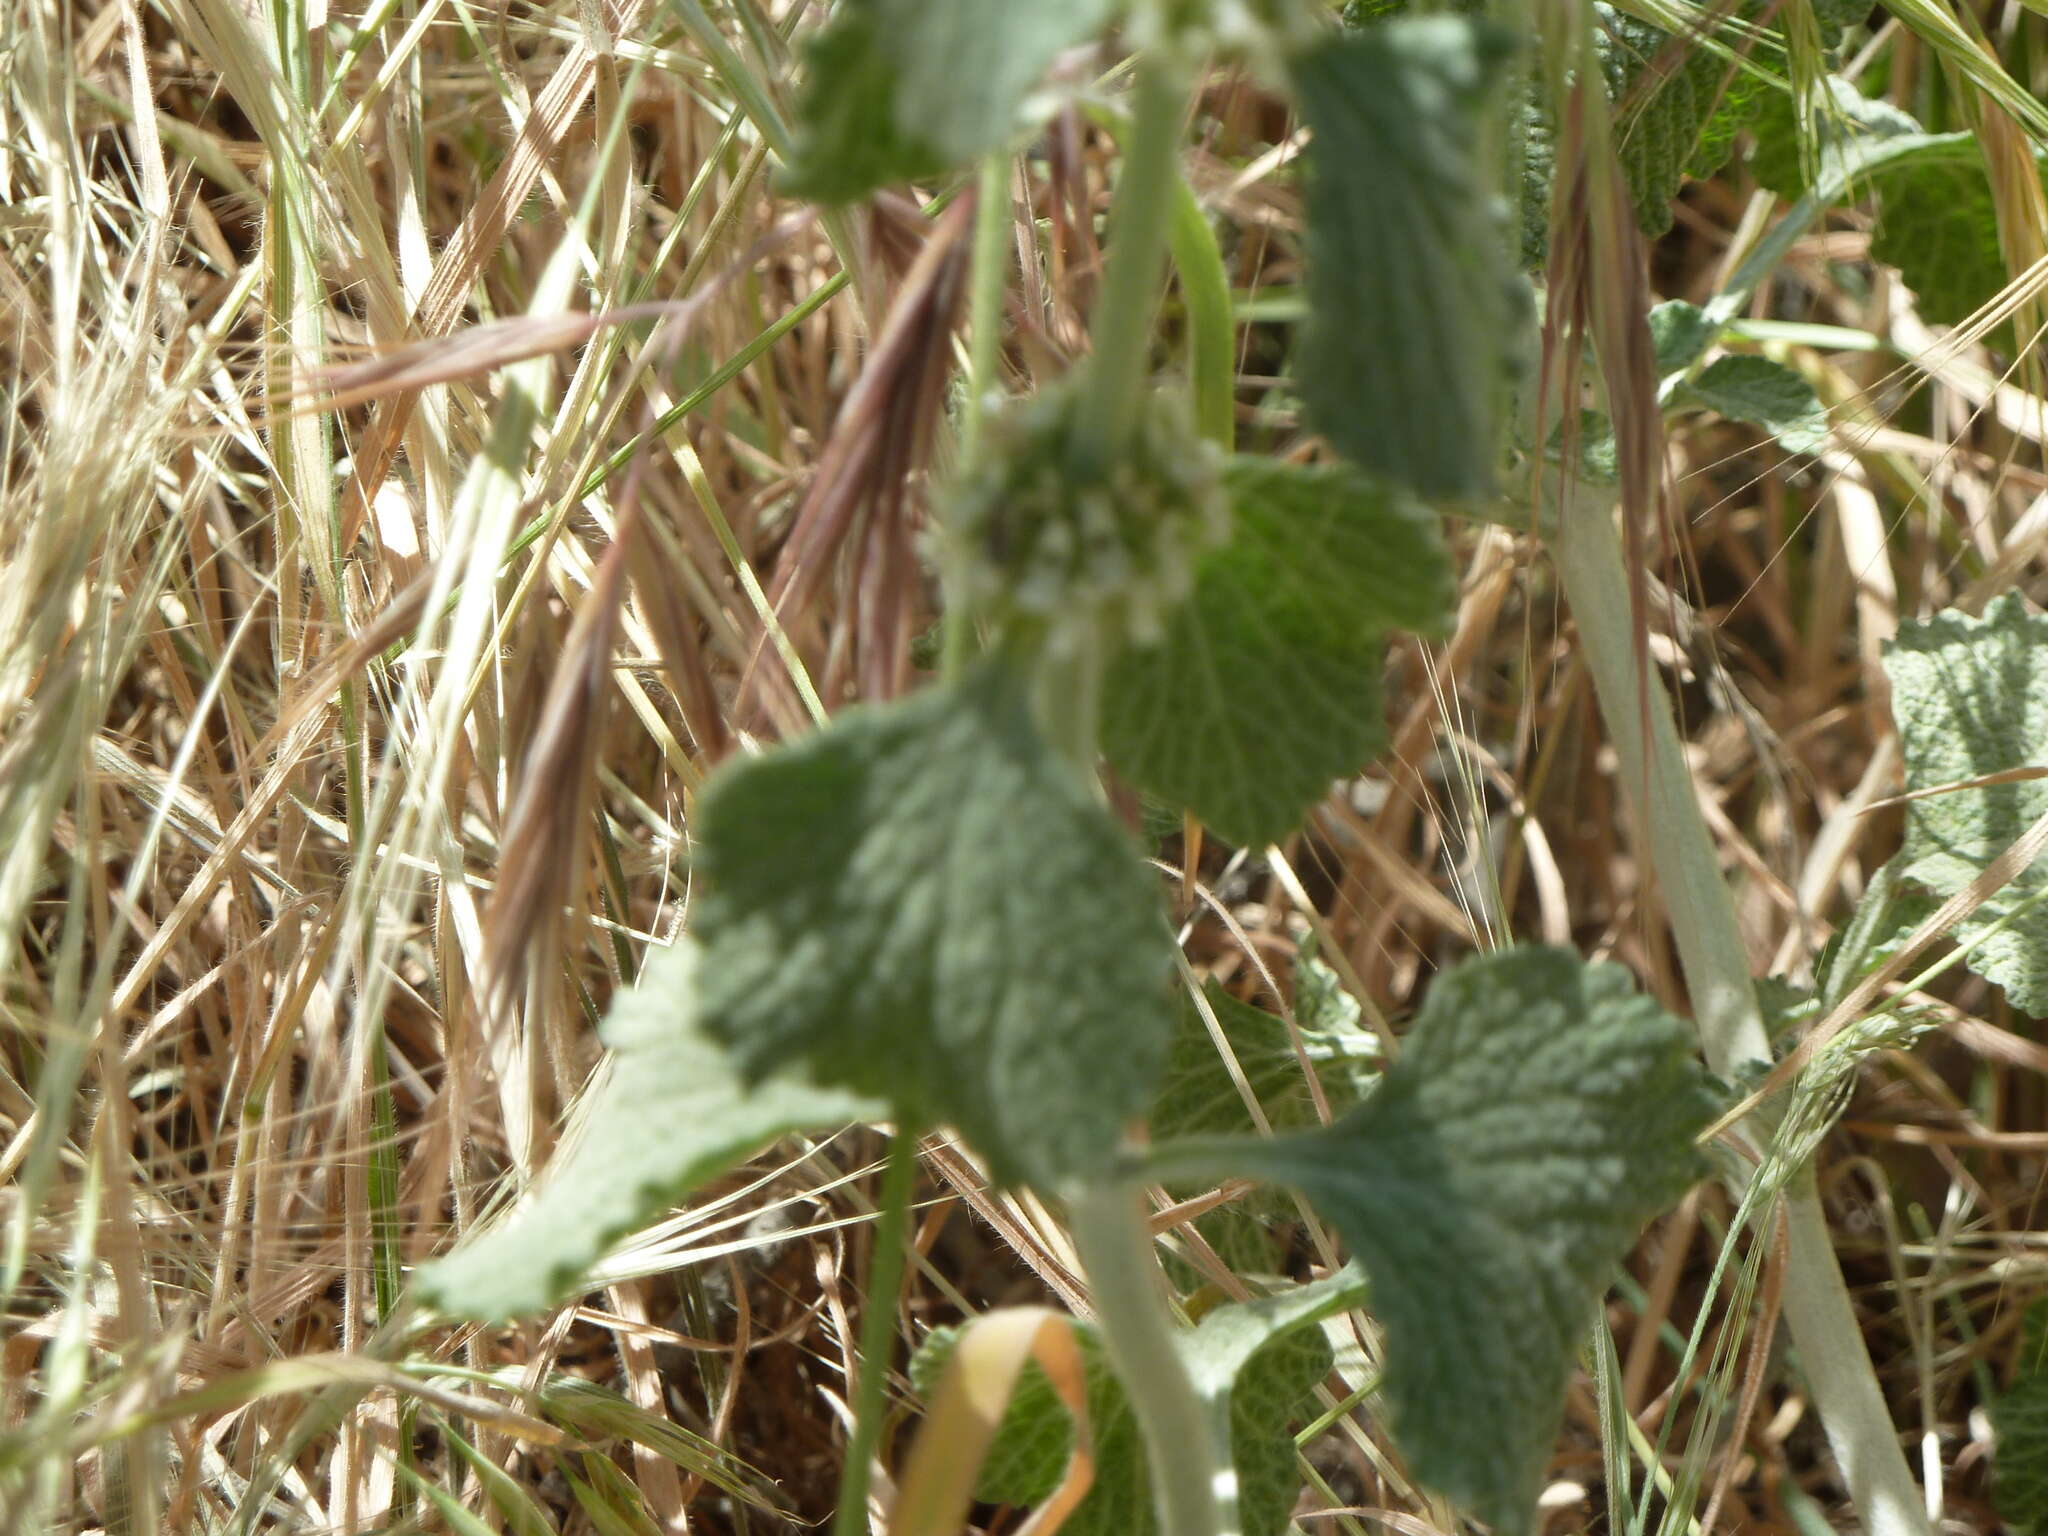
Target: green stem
x=1194 y=1159
x=1139 y=221
x=1204 y=291
x=1108 y=1223
x=877 y=1331
x=991 y=275
x=1654 y=774
x=1108 y=1226
x=1212 y=328
x=1107 y=1219
x=1067 y=700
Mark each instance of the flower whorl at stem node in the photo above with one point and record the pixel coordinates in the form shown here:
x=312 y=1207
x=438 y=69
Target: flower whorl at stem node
x=1084 y=553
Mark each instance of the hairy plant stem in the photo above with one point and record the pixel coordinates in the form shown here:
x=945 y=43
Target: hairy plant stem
x=1067 y=702
x=1654 y=775
x=1205 y=293
x=877 y=1331
x=989 y=278
x=1108 y=1225
x=1107 y=1217
x=1139 y=221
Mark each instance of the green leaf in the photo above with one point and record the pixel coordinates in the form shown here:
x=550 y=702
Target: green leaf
x=1937 y=222
x=1266 y=685
x=1847 y=125
x=1539 y=1114
x=1199 y=1097
x=1681 y=333
x=1532 y=152
x=1938 y=225
x=1366 y=13
x=1888 y=912
x=1253 y=1363
x=668 y=1112
x=967 y=65
x=2020 y=1417
x=902 y=90
x=1835 y=17
x=1593 y=455
x=849 y=141
x=1531 y=145
x=925 y=904
x=1971 y=699
x=1322 y=1005
x=1415 y=314
x=1765 y=393
x=1678 y=108
x=1785 y=1006
x=1030 y=1450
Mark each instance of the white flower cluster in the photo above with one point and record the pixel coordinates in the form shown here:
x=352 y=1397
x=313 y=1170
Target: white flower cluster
x=1085 y=555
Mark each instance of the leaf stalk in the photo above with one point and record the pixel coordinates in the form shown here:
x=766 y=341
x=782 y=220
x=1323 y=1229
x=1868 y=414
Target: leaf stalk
x=877 y=1332
x=1108 y=1226
x=989 y=279
x=1140 y=219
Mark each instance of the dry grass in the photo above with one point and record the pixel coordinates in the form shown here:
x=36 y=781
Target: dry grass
x=352 y=700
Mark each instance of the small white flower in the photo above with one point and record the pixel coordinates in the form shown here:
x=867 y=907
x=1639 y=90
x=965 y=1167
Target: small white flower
x=1085 y=556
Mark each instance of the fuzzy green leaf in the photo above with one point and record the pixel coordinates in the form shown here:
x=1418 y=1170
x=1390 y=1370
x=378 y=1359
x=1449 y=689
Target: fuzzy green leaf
x=1032 y=1444
x=849 y=141
x=1681 y=333
x=1678 y=108
x=1767 y=394
x=1971 y=699
x=1199 y=1097
x=1938 y=225
x=1835 y=17
x=904 y=902
x=1594 y=457
x=1890 y=909
x=1540 y=1113
x=1414 y=310
x=1322 y=1005
x=967 y=65
x=1937 y=222
x=1848 y=124
x=1265 y=687
x=1253 y=1364
x=669 y=1112
x=2020 y=1478
x=1532 y=152
x=902 y=90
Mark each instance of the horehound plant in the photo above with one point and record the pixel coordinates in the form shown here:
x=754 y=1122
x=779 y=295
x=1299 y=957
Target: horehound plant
x=175 y=1310
x=893 y=909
